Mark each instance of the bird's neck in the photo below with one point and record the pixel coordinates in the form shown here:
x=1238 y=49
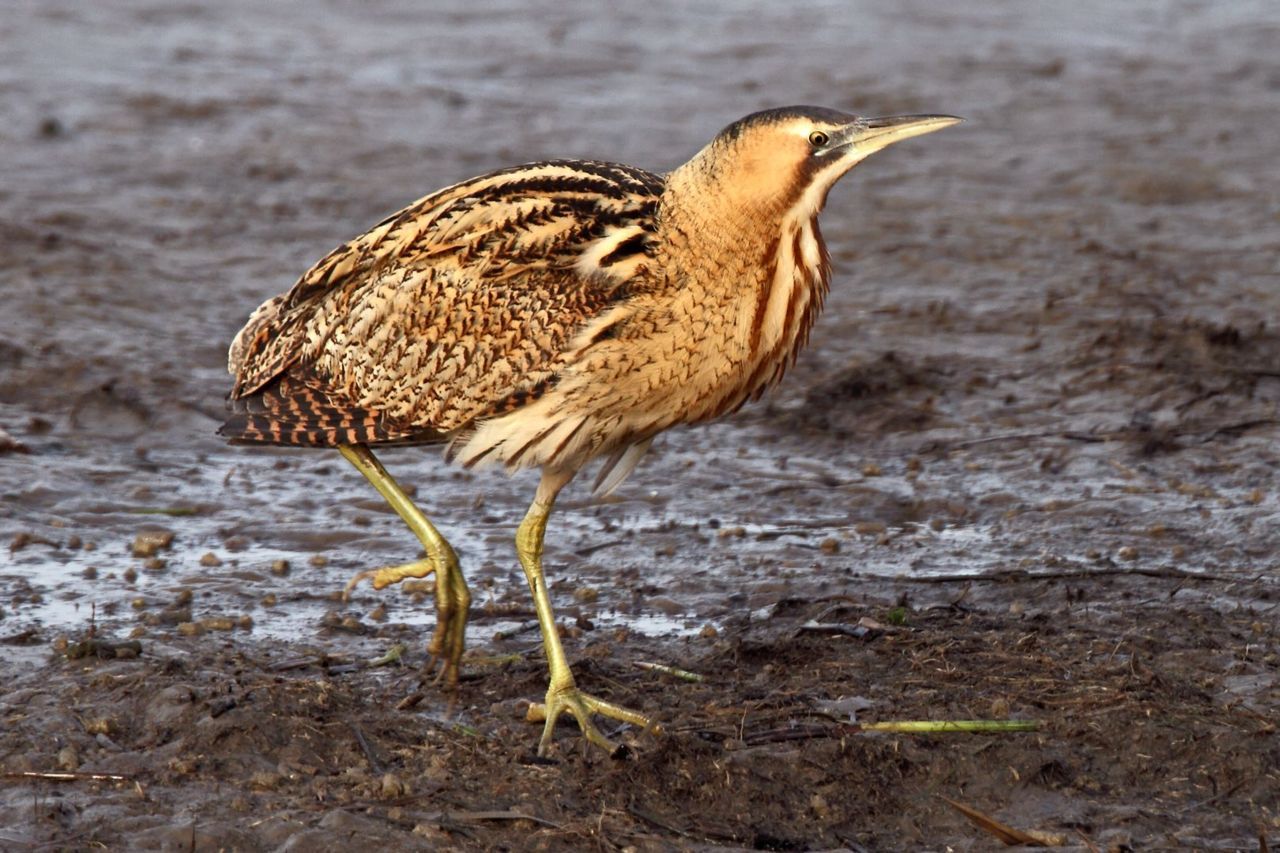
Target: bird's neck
x=762 y=267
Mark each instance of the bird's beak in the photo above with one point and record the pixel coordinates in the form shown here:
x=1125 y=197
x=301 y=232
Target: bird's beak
x=868 y=135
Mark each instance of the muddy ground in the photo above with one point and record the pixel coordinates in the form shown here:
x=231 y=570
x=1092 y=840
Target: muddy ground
x=1026 y=469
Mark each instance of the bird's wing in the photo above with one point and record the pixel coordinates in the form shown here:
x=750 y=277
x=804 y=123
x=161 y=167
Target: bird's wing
x=452 y=309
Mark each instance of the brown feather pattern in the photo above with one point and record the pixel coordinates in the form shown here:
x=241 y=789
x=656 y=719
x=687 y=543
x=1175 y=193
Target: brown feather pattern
x=547 y=314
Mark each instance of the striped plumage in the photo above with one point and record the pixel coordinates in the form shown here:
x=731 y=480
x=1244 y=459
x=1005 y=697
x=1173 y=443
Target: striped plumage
x=550 y=314
x=477 y=289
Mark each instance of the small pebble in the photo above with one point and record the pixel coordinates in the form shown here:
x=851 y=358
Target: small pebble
x=99 y=726
x=90 y=573
x=392 y=787
x=130 y=575
x=667 y=605
x=210 y=560
x=318 y=561
x=871 y=469
x=154 y=564
x=68 y=758
x=820 y=807
x=269 y=600
x=869 y=528
x=183 y=597
x=265 y=780
x=1128 y=552
x=190 y=629
x=280 y=568
x=149 y=542
x=829 y=546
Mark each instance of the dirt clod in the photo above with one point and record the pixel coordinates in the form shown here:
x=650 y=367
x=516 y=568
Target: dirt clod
x=150 y=542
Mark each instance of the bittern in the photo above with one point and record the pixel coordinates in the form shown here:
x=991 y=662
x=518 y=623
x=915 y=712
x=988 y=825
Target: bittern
x=550 y=314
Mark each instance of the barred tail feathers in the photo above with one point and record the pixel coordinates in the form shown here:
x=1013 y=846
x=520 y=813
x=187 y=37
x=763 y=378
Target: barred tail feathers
x=294 y=411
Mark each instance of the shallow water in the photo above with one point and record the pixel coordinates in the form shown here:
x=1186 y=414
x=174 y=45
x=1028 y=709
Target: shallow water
x=1077 y=286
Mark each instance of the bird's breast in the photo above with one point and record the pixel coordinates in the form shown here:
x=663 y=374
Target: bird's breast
x=719 y=332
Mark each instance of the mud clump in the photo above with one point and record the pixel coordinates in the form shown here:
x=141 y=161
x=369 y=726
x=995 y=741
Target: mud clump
x=764 y=752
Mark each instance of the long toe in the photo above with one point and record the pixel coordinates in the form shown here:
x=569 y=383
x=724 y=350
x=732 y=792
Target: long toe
x=388 y=575
x=582 y=706
x=447 y=647
x=453 y=603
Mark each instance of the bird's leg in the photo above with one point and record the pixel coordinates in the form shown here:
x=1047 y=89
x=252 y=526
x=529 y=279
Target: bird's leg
x=562 y=692
x=453 y=599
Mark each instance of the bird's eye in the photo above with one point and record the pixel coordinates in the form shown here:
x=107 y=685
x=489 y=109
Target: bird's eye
x=818 y=139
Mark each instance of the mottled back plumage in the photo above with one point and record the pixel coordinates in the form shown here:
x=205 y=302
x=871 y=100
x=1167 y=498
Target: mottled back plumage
x=452 y=309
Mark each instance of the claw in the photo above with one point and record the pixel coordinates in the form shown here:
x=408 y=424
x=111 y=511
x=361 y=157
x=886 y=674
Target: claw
x=453 y=601
x=562 y=692
x=388 y=575
x=582 y=706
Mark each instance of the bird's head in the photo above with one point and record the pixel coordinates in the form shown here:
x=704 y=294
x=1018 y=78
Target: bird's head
x=787 y=159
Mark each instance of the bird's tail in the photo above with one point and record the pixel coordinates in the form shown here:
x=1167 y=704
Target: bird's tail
x=302 y=412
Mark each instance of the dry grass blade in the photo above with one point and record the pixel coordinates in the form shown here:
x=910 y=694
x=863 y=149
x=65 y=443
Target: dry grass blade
x=675 y=672
x=58 y=776
x=941 y=726
x=1007 y=834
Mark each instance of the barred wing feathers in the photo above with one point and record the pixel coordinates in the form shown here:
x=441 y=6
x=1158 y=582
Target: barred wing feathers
x=454 y=309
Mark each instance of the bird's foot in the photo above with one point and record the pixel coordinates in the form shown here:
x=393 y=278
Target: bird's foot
x=453 y=601
x=387 y=575
x=582 y=706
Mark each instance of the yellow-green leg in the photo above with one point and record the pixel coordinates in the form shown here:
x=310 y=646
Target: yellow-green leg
x=453 y=599
x=562 y=692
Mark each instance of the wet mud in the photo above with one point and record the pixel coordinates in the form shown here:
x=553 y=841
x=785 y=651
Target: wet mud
x=1025 y=470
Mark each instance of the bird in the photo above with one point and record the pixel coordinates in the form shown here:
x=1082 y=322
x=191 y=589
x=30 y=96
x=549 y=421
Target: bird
x=548 y=315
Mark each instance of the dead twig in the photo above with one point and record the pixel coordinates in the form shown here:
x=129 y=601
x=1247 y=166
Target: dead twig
x=651 y=818
x=371 y=755
x=476 y=817
x=1008 y=835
